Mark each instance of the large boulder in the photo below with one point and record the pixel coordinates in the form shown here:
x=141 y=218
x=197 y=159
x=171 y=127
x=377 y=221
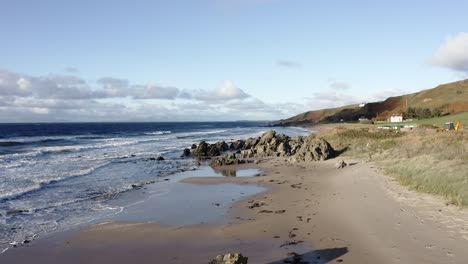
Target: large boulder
x=222 y=146
x=201 y=150
x=230 y=258
x=314 y=149
x=213 y=150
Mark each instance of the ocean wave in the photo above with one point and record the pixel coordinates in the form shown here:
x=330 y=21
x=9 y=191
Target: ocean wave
x=31 y=142
x=157 y=133
x=38 y=184
x=199 y=133
x=69 y=148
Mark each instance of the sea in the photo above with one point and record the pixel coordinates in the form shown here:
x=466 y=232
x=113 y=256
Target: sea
x=54 y=176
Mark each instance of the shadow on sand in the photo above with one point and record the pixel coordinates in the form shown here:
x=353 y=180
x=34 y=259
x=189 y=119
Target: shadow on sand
x=338 y=152
x=316 y=256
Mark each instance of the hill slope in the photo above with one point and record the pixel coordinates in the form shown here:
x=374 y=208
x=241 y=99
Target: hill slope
x=449 y=98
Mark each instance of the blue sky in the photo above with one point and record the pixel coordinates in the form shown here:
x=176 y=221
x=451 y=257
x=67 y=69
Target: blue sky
x=221 y=59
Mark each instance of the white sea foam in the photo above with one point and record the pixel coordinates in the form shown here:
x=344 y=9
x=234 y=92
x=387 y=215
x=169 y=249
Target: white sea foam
x=158 y=133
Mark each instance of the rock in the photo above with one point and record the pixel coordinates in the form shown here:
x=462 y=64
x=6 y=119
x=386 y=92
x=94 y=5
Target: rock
x=208 y=150
x=160 y=158
x=340 y=164
x=267 y=137
x=16 y=211
x=251 y=143
x=222 y=146
x=186 y=153
x=230 y=258
x=213 y=150
x=136 y=186
x=283 y=149
x=201 y=150
x=237 y=145
x=314 y=149
x=194 y=146
x=228 y=159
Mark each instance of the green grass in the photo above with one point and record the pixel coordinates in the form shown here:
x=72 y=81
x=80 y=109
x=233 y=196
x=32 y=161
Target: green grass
x=436 y=121
x=440 y=121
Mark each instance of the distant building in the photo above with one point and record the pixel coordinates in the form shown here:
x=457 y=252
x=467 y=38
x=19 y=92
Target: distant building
x=362 y=105
x=396 y=118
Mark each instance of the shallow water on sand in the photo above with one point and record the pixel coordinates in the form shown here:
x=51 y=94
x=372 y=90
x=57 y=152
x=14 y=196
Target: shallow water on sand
x=162 y=202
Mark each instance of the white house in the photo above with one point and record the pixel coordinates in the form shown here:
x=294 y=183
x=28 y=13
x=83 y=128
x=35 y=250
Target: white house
x=396 y=118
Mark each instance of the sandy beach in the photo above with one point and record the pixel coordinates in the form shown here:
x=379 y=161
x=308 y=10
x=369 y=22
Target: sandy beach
x=311 y=212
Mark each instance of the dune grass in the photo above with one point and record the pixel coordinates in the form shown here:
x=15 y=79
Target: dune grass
x=430 y=162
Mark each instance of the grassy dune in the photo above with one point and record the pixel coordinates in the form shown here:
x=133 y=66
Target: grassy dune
x=424 y=160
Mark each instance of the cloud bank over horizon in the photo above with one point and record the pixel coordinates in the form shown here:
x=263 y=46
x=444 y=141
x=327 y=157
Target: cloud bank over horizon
x=58 y=97
x=69 y=98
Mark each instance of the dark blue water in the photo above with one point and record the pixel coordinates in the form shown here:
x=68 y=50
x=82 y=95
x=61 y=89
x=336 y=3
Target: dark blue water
x=56 y=175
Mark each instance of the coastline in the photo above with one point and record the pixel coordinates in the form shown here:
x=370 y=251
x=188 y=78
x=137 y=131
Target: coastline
x=352 y=215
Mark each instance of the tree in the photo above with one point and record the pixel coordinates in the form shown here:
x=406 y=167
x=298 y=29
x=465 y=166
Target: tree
x=410 y=112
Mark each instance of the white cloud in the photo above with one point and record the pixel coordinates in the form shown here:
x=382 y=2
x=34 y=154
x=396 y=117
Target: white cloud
x=453 y=54
x=154 y=91
x=23 y=84
x=10 y=83
x=228 y=91
x=57 y=98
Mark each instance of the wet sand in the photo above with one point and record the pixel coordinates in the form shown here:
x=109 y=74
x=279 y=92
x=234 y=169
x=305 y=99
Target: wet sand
x=351 y=215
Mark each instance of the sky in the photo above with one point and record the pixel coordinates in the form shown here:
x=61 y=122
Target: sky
x=220 y=60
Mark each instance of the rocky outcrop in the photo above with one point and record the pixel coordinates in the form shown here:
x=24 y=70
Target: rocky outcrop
x=270 y=144
x=310 y=148
x=230 y=258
